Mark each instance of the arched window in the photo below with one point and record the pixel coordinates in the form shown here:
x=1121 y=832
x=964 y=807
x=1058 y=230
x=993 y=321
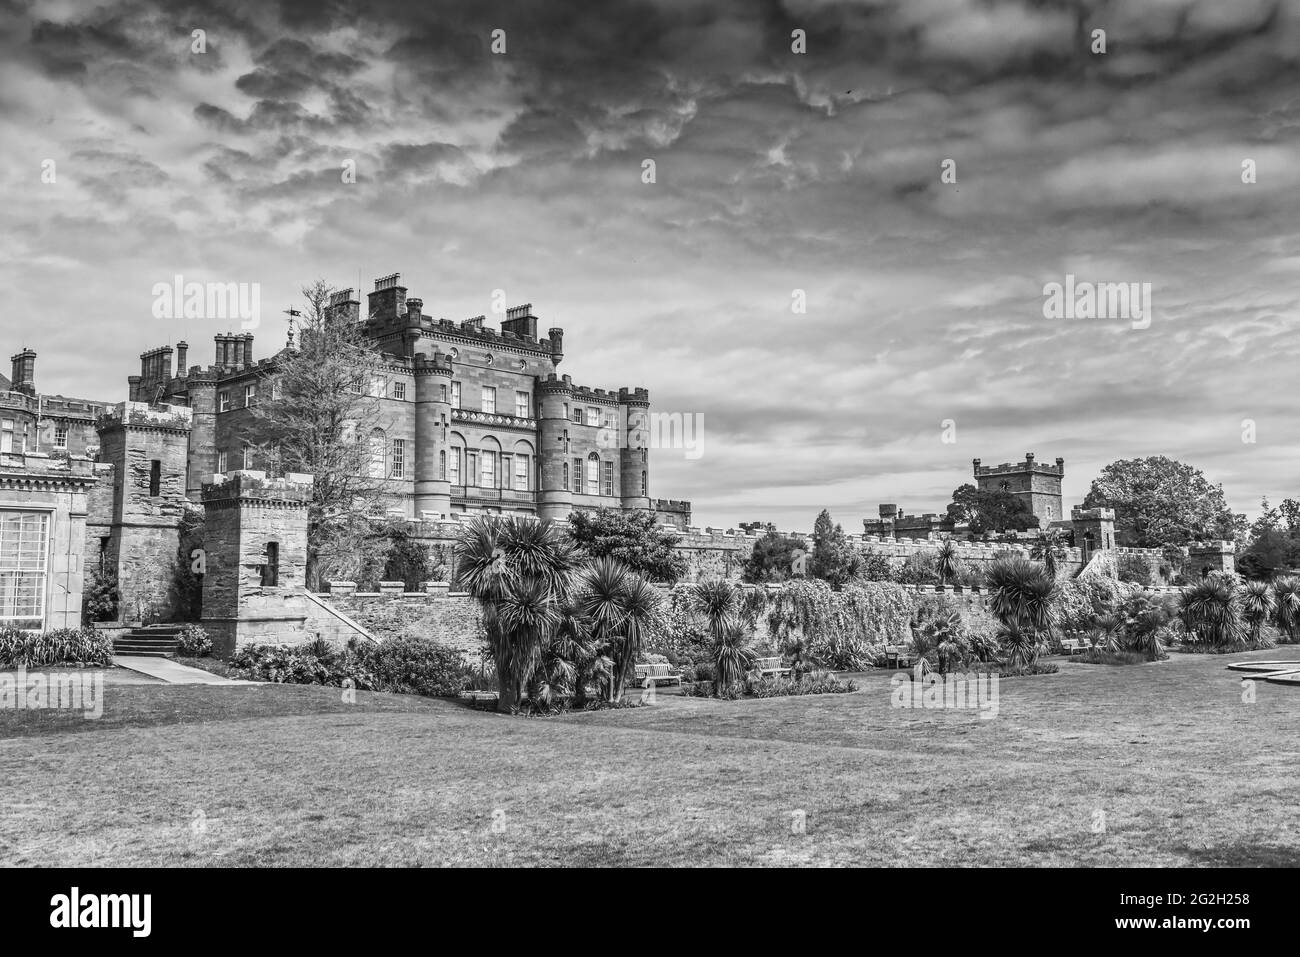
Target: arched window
x=643 y=485
x=566 y=475
x=442 y=464
x=378 y=447
x=593 y=474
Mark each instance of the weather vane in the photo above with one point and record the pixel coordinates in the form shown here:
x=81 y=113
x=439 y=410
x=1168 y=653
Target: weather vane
x=293 y=314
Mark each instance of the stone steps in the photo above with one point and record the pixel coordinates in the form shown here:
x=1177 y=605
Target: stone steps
x=156 y=641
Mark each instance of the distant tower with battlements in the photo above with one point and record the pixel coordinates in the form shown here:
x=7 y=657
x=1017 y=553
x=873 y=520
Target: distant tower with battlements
x=1035 y=484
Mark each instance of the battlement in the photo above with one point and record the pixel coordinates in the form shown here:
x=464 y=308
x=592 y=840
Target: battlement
x=295 y=487
x=564 y=384
x=439 y=364
x=43 y=465
x=1079 y=514
x=1020 y=468
x=634 y=396
x=145 y=415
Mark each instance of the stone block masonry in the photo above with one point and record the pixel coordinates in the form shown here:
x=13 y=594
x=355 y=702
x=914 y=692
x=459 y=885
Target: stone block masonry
x=453 y=619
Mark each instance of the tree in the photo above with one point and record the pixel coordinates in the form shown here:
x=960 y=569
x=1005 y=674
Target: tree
x=317 y=412
x=946 y=561
x=634 y=538
x=1272 y=551
x=618 y=605
x=1159 y=501
x=833 y=559
x=719 y=602
x=1021 y=595
x=990 y=510
x=1049 y=549
x=407 y=560
x=773 y=559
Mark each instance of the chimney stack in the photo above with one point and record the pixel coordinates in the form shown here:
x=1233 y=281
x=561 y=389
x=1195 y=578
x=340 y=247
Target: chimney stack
x=248 y=349
x=182 y=350
x=24 y=371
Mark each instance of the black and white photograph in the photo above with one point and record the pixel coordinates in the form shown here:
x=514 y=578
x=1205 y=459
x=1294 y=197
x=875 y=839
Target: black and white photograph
x=650 y=435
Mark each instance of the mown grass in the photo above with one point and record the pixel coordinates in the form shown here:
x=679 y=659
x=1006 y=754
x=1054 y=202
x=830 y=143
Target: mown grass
x=1169 y=760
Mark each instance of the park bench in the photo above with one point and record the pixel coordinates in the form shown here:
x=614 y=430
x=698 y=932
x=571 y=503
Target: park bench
x=1072 y=646
x=897 y=656
x=480 y=699
x=770 y=666
x=659 y=672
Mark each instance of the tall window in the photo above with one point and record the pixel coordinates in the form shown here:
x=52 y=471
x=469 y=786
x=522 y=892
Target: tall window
x=271 y=568
x=378 y=387
x=399 y=390
x=399 y=458
x=155 y=477
x=222 y=462
x=521 y=404
x=6 y=435
x=593 y=474
x=471 y=467
x=521 y=473
x=593 y=416
x=643 y=485
x=507 y=470
x=487 y=467
x=248 y=457
x=455 y=395
x=223 y=401
x=565 y=481
x=607 y=477
x=61 y=437
x=489 y=399
x=577 y=476
x=250 y=393
x=24 y=539
x=442 y=464
x=377 y=443
x=454 y=463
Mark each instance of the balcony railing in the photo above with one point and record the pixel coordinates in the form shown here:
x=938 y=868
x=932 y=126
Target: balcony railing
x=493 y=418
x=474 y=493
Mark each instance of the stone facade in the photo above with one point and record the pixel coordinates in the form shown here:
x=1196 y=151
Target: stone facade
x=472 y=419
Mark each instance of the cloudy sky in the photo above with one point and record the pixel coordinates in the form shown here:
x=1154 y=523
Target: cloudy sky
x=775 y=171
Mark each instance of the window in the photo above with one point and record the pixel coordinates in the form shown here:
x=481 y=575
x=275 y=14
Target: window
x=565 y=481
x=276 y=389
x=521 y=404
x=250 y=393
x=24 y=544
x=609 y=420
x=577 y=476
x=488 y=462
x=221 y=462
x=271 y=567
x=471 y=467
x=378 y=387
x=566 y=410
x=489 y=399
x=399 y=390
x=593 y=416
x=223 y=401
x=442 y=465
x=6 y=435
x=521 y=473
x=455 y=467
x=455 y=395
x=507 y=470
x=399 y=457
x=442 y=393
x=61 y=437
x=248 y=457
x=155 y=477
x=593 y=474
x=377 y=450
x=356 y=384
x=607 y=477
x=577 y=414
x=643 y=486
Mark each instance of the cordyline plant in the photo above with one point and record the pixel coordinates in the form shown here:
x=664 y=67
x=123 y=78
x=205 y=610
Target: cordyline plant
x=1257 y=606
x=1211 y=610
x=721 y=603
x=1286 y=611
x=556 y=630
x=1021 y=595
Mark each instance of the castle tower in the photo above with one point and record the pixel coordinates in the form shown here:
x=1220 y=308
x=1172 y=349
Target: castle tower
x=1035 y=484
x=634 y=448
x=432 y=421
x=147 y=447
x=255 y=548
x=23 y=378
x=554 y=494
x=1094 y=529
x=201 y=458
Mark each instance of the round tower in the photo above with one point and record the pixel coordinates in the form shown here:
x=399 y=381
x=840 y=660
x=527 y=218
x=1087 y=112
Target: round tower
x=634 y=449
x=554 y=495
x=432 y=422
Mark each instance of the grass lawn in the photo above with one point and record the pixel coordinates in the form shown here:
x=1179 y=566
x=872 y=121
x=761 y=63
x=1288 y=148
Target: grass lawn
x=1183 y=771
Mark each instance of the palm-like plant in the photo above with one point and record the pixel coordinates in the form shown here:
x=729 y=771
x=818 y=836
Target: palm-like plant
x=1021 y=596
x=1257 y=606
x=1049 y=549
x=1286 y=597
x=732 y=656
x=946 y=561
x=1211 y=611
x=520 y=570
x=719 y=602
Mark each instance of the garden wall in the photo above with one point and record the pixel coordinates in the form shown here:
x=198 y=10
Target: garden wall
x=450 y=618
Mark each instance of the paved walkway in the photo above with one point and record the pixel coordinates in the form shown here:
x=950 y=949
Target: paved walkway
x=172 y=672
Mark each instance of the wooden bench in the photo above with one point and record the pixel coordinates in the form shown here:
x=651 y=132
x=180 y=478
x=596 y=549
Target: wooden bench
x=481 y=699
x=897 y=656
x=1070 y=646
x=660 y=672
x=770 y=666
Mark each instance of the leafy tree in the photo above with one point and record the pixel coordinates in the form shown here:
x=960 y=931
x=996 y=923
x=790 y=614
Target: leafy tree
x=1159 y=501
x=407 y=560
x=990 y=510
x=634 y=538
x=1049 y=549
x=874 y=567
x=315 y=413
x=833 y=559
x=1272 y=551
x=773 y=558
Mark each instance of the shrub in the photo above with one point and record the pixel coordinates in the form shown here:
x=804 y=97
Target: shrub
x=920 y=568
x=704 y=672
x=289 y=664
x=83 y=646
x=100 y=600
x=1133 y=568
x=193 y=642
x=1024 y=671
x=845 y=630
x=410 y=664
x=874 y=567
x=813 y=683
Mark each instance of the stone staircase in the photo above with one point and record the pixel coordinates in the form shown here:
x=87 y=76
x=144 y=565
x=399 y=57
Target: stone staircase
x=154 y=641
